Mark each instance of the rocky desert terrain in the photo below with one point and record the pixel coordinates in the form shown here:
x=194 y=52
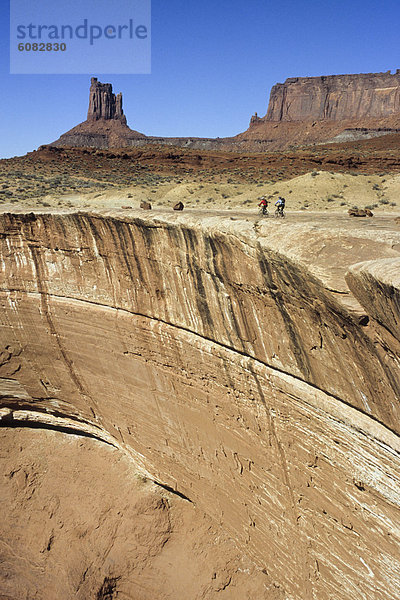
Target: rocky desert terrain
x=204 y=403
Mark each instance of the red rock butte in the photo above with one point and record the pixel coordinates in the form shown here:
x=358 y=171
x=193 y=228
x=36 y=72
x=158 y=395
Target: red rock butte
x=103 y=104
x=105 y=126
x=301 y=111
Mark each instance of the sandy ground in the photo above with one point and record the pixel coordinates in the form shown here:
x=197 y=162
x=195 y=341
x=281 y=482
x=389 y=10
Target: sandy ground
x=317 y=190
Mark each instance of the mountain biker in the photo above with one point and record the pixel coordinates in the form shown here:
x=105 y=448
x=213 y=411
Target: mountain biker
x=263 y=204
x=280 y=205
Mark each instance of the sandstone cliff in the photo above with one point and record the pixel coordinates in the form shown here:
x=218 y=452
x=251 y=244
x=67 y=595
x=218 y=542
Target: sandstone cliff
x=335 y=97
x=306 y=110
x=228 y=371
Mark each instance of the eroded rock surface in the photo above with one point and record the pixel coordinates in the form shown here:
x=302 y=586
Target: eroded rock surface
x=77 y=522
x=227 y=371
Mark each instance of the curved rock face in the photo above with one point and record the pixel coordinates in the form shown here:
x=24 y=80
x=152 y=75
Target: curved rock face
x=335 y=97
x=227 y=371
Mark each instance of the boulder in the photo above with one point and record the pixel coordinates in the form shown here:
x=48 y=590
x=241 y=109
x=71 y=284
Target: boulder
x=179 y=206
x=145 y=205
x=357 y=212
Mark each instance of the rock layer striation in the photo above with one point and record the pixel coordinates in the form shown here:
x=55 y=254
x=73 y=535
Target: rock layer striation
x=227 y=371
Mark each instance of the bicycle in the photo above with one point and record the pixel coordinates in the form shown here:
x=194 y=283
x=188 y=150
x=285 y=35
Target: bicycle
x=263 y=211
x=279 y=212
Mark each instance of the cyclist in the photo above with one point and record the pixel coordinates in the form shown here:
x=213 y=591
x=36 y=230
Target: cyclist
x=264 y=205
x=280 y=206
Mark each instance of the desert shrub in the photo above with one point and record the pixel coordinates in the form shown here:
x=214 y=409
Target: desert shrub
x=383 y=201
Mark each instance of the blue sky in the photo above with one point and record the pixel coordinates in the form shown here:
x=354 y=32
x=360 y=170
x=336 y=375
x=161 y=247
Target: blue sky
x=213 y=65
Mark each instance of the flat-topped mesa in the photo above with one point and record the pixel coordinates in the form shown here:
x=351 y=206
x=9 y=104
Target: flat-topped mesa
x=335 y=97
x=103 y=104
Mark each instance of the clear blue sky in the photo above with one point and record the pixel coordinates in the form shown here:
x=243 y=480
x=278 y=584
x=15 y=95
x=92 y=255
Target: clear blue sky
x=213 y=65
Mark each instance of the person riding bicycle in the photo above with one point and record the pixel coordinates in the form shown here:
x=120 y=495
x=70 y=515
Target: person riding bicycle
x=263 y=204
x=280 y=205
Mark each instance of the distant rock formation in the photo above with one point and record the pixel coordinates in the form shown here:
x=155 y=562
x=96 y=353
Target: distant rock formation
x=105 y=126
x=335 y=97
x=103 y=104
x=333 y=108
x=301 y=111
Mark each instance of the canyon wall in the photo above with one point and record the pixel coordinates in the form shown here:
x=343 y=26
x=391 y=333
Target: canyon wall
x=227 y=371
